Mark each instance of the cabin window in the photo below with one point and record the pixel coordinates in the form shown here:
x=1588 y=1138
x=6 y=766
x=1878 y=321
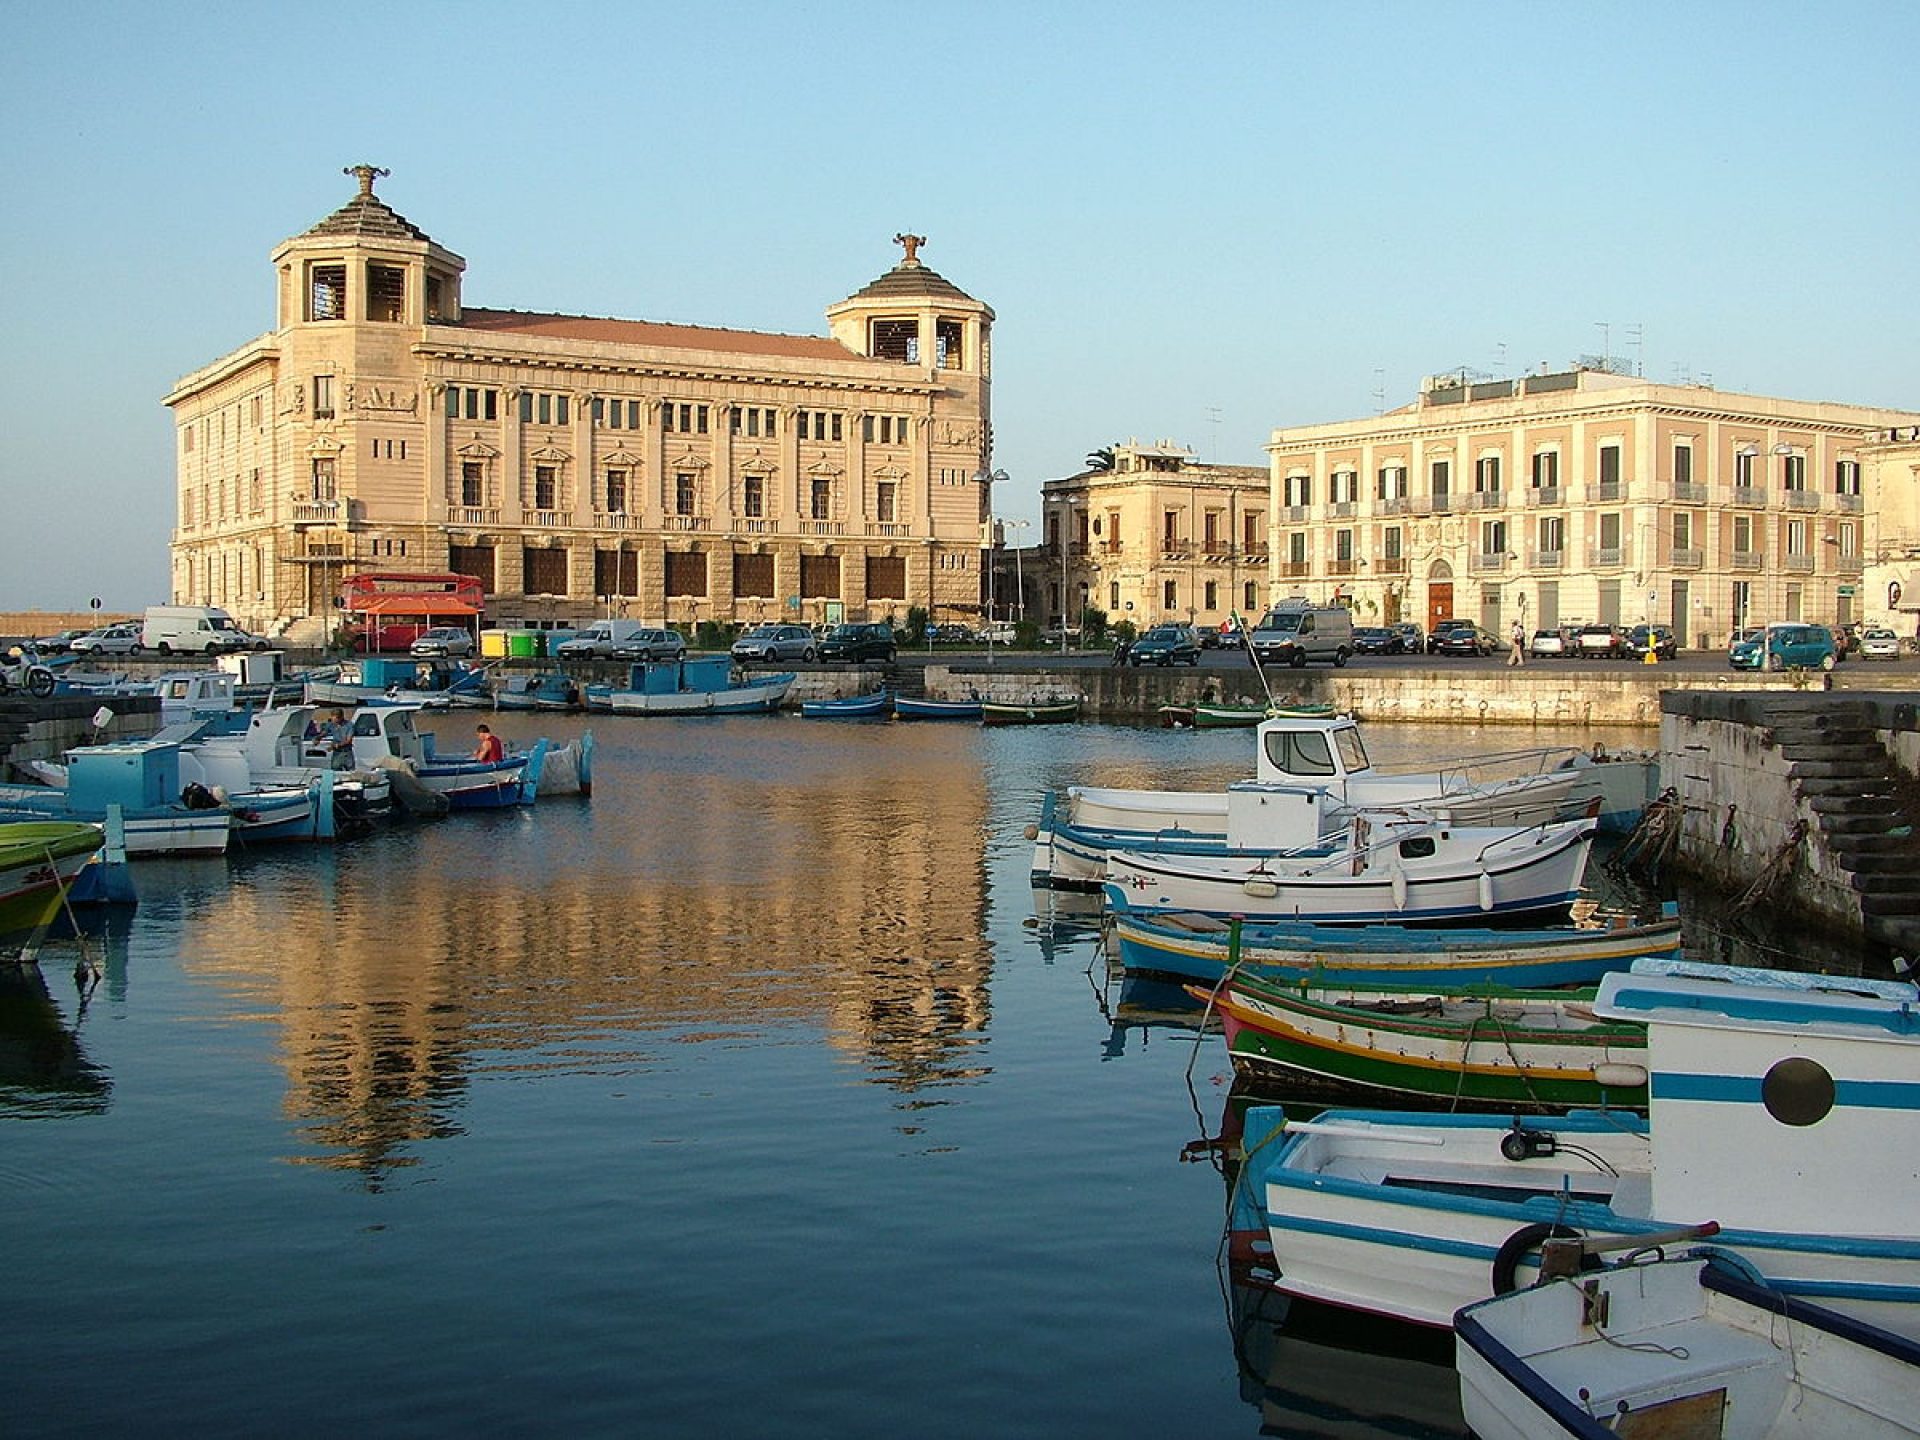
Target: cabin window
x=1416 y=847
x=1300 y=752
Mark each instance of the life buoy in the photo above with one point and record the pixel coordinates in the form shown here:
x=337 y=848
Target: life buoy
x=1523 y=1242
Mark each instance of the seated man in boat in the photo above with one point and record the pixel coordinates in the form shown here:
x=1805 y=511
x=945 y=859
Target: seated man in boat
x=488 y=748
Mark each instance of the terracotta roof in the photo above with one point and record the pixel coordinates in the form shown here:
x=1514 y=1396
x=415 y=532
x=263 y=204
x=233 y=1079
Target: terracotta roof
x=910 y=280
x=649 y=332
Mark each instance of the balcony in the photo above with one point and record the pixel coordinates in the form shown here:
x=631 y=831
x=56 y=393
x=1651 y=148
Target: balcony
x=1798 y=564
x=1110 y=547
x=1608 y=491
x=1296 y=569
x=1342 y=509
x=473 y=515
x=1295 y=514
x=1746 y=559
x=1546 y=559
x=613 y=520
x=1688 y=559
x=1393 y=505
x=823 y=527
x=1803 y=500
x=1343 y=565
x=1606 y=557
x=1489 y=499
x=756 y=525
x=1391 y=565
x=1685 y=492
x=319 y=512
x=1487 y=562
x=550 y=519
x=686 y=522
x=1217 y=550
x=1850 y=503
x=888 y=528
x=1750 y=496
x=1544 y=495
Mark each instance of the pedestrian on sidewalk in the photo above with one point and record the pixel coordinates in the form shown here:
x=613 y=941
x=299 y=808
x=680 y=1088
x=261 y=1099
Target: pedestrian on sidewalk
x=1518 y=654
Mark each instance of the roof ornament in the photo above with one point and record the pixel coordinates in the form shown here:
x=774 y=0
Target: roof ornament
x=910 y=243
x=365 y=174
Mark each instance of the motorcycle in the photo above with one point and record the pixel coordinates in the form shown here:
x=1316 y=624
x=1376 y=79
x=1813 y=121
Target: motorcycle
x=24 y=672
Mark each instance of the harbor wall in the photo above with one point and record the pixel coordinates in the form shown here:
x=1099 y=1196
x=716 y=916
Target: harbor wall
x=47 y=729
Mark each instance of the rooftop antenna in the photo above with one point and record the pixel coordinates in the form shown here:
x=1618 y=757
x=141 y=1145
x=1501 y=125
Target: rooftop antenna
x=1500 y=357
x=1213 y=419
x=1606 y=343
x=1379 y=391
x=1636 y=337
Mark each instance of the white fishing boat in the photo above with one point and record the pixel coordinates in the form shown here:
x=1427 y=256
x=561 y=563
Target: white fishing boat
x=1381 y=865
x=1783 y=1107
x=1673 y=1347
x=142 y=778
x=285 y=748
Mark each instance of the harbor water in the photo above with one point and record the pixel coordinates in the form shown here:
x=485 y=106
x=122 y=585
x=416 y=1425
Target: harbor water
x=748 y=1097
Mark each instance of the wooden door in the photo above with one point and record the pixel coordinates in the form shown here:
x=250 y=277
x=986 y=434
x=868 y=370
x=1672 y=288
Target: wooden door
x=1439 y=602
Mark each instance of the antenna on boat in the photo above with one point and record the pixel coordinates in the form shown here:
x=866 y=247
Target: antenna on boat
x=1246 y=642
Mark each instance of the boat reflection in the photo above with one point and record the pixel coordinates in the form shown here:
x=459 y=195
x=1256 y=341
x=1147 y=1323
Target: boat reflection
x=44 y=1070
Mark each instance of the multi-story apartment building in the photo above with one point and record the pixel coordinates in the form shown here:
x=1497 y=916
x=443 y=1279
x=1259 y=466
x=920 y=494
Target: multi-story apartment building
x=1580 y=496
x=1158 y=537
x=1892 y=578
x=579 y=465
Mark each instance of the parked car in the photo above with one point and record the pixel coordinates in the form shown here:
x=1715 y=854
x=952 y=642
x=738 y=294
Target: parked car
x=1230 y=636
x=108 y=640
x=1600 y=642
x=1378 y=640
x=448 y=640
x=58 y=643
x=1546 y=643
x=1166 y=645
x=773 y=643
x=646 y=642
x=1413 y=640
x=1658 y=638
x=1464 y=637
x=391 y=635
x=873 y=641
x=1440 y=628
x=1879 y=643
x=1785 y=647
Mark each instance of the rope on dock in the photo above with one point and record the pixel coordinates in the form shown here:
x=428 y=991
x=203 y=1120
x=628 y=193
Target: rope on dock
x=1650 y=846
x=1774 y=873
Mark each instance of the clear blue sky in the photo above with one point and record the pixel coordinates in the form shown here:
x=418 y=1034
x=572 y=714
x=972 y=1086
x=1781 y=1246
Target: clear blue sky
x=1195 y=222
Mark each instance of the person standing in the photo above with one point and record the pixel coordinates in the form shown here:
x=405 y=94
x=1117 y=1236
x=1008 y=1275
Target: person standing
x=339 y=737
x=1518 y=654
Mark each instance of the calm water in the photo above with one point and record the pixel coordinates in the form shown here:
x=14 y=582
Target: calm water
x=746 y=1098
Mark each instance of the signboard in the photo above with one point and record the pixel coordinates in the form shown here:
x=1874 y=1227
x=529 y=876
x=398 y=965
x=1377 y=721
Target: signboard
x=1846 y=589
x=793 y=602
x=836 y=612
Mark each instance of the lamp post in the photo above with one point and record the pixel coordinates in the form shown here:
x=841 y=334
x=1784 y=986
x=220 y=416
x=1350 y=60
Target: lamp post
x=1066 y=531
x=1019 y=584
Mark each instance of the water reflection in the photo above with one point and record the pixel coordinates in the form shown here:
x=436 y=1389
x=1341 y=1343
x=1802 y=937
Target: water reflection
x=44 y=1069
x=769 y=873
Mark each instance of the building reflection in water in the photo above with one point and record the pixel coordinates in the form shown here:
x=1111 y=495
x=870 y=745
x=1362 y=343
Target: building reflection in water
x=708 y=891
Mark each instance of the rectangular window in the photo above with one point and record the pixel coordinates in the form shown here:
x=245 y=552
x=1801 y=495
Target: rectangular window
x=543 y=487
x=544 y=403
x=1846 y=477
x=323 y=397
x=386 y=292
x=327 y=292
x=453 y=402
x=1345 y=488
x=1849 y=538
x=1343 y=546
x=894 y=340
x=1793 y=472
x=472 y=485
x=1486 y=474
x=544 y=572
x=1170 y=596
x=1170 y=530
x=1213 y=595
x=1441 y=474
x=474 y=560
x=1546 y=470
x=1610 y=465
x=1743 y=468
x=256 y=493
x=947 y=340
x=616 y=572
x=753 y=497
x=1682 y=530
x=886 y=577
x=1297 y=548
x=1743 y=534
x=324 y=478
x=753 y=576
x=683 y=493
x=1299 y=491
x=1250 y=595
x=1797 y=538
x=1390 y=541
x=686 y=572
x=616 y=492
x=1682 y=464
x=598 y=410
x=1552 y=534
x=822 y=500
x=1493 y=538
x=526 y=407
x=883 y=502
x=1391 y=482
x=1610 y=530
x=820 y=577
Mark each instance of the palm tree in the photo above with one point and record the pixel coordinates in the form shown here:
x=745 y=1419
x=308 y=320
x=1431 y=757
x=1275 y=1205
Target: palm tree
x=1101 y=459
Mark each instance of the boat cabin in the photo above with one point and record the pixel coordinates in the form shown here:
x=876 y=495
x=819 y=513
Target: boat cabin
x=1310 y=749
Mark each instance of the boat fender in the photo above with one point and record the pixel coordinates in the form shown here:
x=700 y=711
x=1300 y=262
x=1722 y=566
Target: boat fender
x=1522 y=1242
x=1032 y=832
x=1616 y=1075
x=1399 y=883
x=1260 y=889
x=1486 y=891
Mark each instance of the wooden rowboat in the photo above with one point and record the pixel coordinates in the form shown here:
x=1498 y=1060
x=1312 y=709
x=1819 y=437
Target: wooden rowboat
x=907 y=708
x=1050 y=711
x=855 y=707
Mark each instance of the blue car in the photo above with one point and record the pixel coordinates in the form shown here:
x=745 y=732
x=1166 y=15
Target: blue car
x=1166 y=645
x=1784 y=647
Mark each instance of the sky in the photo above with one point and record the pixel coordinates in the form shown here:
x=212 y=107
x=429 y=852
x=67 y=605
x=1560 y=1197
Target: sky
x=1195 y=222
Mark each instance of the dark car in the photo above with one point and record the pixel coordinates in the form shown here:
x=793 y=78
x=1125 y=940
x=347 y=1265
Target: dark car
x=1166 y=645
x=1378 y=640
x=1413 y=639
x=1600 y=642
x=57 y=644
x=1437 y=637
x=1658 y=638
x=1463 y=637
x=859 y=642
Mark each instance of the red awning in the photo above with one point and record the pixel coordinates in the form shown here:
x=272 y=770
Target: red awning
x=424 y=603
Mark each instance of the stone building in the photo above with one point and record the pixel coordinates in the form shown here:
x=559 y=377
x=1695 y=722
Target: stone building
x=581 y=466
x=1892 y=578
x=1581 y=496
x=1158 y=537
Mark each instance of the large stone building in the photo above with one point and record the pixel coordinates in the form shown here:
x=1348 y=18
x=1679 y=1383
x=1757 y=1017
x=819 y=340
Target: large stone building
x=576 y=465
x=1582 y=496
x=1157 y=537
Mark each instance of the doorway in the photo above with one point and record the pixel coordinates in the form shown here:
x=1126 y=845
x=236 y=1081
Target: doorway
x=1439 y=602
x=1680 y=637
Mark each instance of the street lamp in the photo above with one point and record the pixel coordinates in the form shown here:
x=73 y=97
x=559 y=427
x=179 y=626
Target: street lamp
x=1066 y=533
x=1019 y=584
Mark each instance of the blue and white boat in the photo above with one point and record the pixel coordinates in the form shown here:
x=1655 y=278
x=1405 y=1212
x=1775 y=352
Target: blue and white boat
x=385 y=738
x=1198 y=949
x=142 y=778
x=429 y=683
x=1783 y=1108
x=548 y=690
x=907 y=707
x=854 y=707
x=704 y=685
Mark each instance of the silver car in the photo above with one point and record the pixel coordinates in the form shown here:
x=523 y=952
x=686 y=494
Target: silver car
x=448 y=640
x=775 y=643
x=652 y=645
x=109 y=640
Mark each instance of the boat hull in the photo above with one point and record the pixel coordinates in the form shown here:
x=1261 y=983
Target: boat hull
x=907 y=708
x=858 y=707
x=996 y=713
x=750 y=698
x=38 y=862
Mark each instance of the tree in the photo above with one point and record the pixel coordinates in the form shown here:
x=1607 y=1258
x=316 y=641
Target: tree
x=1101 y=459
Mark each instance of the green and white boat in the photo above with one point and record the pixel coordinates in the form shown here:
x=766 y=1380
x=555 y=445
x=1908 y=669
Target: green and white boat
x=38 y=861
x=1511 y=1047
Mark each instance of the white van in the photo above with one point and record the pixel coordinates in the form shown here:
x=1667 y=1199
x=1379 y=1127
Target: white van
x=192 y=629
x=599 y=640
x=1295 y=634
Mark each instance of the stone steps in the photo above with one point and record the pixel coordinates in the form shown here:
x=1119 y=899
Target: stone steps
x=1845 y=777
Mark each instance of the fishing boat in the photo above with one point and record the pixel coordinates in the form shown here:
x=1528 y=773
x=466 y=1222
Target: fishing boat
x=546 y=691
x=143 y=778
x=1051 y=710
x=1781 y=1107
x=907 y=707
x=1223 y=715
x=1200 y=949
x=38 y=861
x=1677 y=1346
x=385 y=738
x=1494 y=1044
x=705 y=685
x=433 y=684
x=1380 y=866
x=854 y=707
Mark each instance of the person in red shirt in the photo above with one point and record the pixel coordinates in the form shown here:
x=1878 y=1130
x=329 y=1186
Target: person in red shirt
x=489 y=747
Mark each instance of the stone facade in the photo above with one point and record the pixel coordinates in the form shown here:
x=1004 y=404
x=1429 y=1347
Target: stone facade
x=1581 y=496
x=1892 y=576
x=1159 y=537
x=581 y=466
